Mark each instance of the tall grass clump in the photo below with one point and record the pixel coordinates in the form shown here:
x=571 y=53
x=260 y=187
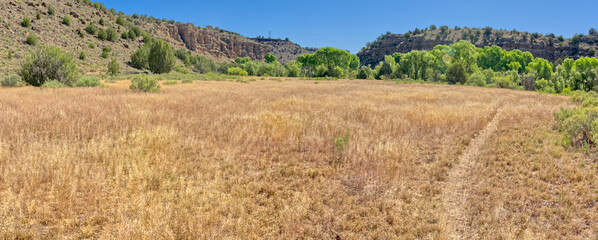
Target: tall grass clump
x=47 y=64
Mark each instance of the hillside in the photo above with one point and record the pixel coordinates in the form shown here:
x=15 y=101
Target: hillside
x=549 y=47
x=215 y=43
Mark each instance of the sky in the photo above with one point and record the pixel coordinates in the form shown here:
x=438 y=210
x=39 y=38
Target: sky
x=351 y=24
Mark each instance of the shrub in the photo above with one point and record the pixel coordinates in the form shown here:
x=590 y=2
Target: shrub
x=53 y=84
x=82 y=56
x=161 y=57
x=111 y=35
x=113 y=67
x=89 y=81
x=237 y=71
x=102 y=35
x=341 y=142
x=144 y=83
x=125 y=35
x=106 y=52
x=26 y=22
x=120 y=21
x=92 y=45
x=47 y=64
x=32 y=39
x=50 y=11
x=132 y=34
x=139 y=58
x=66 y=20
x=456 y=73
x=187 y=81
x=91 y=29
x=101 y=21
x=38 y=15
x=171 y=82
x=12 y=80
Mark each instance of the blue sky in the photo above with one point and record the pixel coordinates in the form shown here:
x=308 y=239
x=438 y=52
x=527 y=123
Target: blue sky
x=351 y=24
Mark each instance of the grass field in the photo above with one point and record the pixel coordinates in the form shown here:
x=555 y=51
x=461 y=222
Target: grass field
x=345 y=159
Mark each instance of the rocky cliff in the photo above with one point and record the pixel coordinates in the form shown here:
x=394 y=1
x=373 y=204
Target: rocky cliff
x=548 y=46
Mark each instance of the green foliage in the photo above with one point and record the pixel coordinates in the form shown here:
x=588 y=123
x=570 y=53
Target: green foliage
x=139 y=59
x=12 y=80
x=125 y=35
x=270 y=58
x=121 y=21
x=237 y=71
x=101 y=22
x=132 y=34
x=325 y=60
x=143 y=83
x=47 y=64
x=38 y=15
x=580 y=125
x=82 y=56
x=456 y=73
x=102 y=35
x=106 y=52
x=66 y=20
x=32 y=39
x=26 y=22
x=170 y=82
x=111 y=35
x=51 y=11
x=342 y=142
x=243 y=60
x=91 y=29
x=187 y=81
x=365 y=72
x=293 y=68
x=89 y=81
x=53 y=84
x=161 y=57
x=92 y=45
x=113 y=67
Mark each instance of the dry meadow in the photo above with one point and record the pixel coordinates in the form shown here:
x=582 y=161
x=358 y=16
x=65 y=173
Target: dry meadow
x=287 y=160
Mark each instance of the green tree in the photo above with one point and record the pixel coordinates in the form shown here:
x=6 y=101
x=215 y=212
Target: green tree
x=161 y=57
x=139 y=59
x=270 y=58
x=456 y=73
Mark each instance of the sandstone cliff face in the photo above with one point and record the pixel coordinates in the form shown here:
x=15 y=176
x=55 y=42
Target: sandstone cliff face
x=547 y=47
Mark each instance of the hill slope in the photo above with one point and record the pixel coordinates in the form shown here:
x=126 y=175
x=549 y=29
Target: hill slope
x=217 y=44
x=548 y=46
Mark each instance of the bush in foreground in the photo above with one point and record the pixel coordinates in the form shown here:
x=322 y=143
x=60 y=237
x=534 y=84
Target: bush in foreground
x=47 y=64
x=580 y=125
x=144 y=83
x=12 y=80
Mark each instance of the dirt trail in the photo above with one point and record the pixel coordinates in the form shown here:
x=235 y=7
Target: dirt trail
x=457 y=189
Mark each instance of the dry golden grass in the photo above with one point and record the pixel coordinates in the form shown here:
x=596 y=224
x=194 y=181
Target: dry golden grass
x=223 y=160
